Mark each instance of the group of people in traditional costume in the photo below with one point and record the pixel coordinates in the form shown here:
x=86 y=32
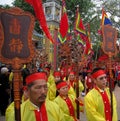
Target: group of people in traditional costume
x=52 y=96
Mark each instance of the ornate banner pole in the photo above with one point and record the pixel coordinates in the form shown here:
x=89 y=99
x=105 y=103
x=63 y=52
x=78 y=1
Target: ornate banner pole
x=77 y=94
x=109 y=47
x=16 y=48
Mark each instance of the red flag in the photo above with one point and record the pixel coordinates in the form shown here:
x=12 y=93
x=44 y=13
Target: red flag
x=88 y=41
x=38 y=8
x=87 y=46
x=64 y=26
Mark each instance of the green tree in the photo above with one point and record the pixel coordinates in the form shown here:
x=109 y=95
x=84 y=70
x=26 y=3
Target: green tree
x=113 y=7
x=86 y=11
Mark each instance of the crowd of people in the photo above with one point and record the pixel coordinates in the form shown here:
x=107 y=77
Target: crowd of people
x=48 y=95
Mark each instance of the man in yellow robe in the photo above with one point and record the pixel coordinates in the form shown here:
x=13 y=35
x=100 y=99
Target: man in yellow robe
x=72 y=83
x=52 y=88
x=98 y=101
x=37 y=107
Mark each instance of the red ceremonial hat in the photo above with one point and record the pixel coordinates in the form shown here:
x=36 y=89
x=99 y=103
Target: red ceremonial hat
x=40 y=75
x=47 y=69
x=57 y=73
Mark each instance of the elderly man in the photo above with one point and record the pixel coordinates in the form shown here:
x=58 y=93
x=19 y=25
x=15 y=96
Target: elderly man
x=37 y=107
x=97 y=101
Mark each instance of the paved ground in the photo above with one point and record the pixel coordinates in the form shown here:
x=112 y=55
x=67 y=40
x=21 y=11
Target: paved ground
x=82 y=115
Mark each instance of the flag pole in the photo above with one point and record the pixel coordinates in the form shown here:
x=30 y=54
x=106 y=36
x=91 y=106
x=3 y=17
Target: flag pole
x=77 y=84
x=109 y=47
x=110 y=83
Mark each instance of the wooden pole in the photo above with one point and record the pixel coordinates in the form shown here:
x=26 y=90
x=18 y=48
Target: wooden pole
x=77 y=90
x=16 y=48
x=110 y=83
x=17 y=99
x=77 y=95
x=109 y=47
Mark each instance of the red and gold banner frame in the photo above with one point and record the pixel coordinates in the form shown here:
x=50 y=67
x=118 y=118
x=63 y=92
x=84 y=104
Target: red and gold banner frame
x=16 y=48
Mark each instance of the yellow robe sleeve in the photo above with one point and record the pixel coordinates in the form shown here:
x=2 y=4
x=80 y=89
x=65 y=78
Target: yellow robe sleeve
x=51 y=79
x=9 y=114
x=62 y=104
x=81 y=87
x=52 y=92
x=54 y=113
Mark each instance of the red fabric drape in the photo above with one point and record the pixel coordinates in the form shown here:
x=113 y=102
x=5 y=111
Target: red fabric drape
x=107 y=107
x=41 y=115
x=70 y=107
x=38 y=8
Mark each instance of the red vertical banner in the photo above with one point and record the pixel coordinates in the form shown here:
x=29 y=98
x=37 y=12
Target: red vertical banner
x=38 y=8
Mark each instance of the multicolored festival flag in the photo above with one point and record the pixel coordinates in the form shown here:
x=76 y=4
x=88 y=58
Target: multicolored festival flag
x=38 y=8
x=64 y=26
x=80 y=41
x=79 y=27
x=105 y=20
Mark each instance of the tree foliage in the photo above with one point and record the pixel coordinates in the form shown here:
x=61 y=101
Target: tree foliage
x=113 y=7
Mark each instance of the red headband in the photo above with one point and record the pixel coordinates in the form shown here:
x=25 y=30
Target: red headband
x=31 y=78
x=47 y=69
x=98 y=73
x=61 y=84
x=57 y=73
x=72 y=73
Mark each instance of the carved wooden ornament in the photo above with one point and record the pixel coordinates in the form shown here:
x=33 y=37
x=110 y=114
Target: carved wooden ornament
x=16 y=27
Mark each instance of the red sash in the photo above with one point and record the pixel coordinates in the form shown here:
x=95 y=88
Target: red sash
x=72 y=83
x=70 y=107
x=107 y=107
x=41 y=115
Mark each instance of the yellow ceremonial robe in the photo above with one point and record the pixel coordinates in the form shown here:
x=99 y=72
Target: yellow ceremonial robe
x=94 y=106
x=63 y=105
x=53 y=111
x=73 y=91
x=51 y=79
x=51 y=95
x=9 y=114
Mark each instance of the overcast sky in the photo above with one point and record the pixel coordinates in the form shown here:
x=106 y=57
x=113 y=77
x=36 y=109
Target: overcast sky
x=7 y=2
